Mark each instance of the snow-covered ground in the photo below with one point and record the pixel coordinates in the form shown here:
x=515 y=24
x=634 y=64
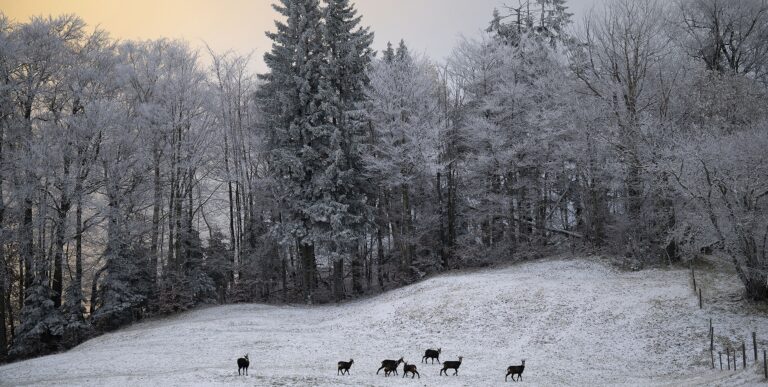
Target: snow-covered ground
x=576 y=322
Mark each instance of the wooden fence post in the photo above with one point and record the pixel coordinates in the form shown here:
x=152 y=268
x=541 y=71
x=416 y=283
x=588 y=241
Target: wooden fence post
x=743 y=355
x=712 y=343
x=700 y=305
x=754 y=345
x=693 y=278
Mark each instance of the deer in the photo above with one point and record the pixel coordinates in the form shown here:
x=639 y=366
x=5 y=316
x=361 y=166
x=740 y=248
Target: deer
x=454 y=365
x=410 y=368
x=388 y=370
x=242 y=364
x=432 y=354
x=344 y=366
x=515 y=370
x=389 y=366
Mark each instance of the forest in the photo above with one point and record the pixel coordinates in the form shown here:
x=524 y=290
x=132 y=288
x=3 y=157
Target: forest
x=146 y=178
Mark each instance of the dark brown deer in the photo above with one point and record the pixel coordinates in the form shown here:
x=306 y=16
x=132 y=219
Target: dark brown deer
x=515 y=370
x=388 y=370
x=389 y=366
x=242 y=364
x=432 y=354
x=454 y=365
x=344 y=366
x=410 y=368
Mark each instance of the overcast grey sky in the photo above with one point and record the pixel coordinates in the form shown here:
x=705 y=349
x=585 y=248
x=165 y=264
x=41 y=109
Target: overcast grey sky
x=434 y=26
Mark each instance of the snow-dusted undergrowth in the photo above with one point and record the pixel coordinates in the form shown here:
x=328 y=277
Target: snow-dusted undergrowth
x=576 y=322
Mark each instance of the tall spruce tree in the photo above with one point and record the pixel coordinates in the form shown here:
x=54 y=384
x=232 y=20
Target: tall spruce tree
x=344 y=80
x=300 y=143
x=311 y=100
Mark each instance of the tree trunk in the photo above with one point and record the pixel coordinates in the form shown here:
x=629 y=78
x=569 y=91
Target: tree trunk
x=308 y=270
x=5 y=280
x=26 y=244
x=451 y=215
x=357 y=275
x=57 y=292
x=338 y=280
x=232 y=238
x=77 y=282
x=407 y=228
x=380 y=247
x=156 y=208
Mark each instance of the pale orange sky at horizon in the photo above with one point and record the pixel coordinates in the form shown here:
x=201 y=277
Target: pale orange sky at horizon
x=430 y=27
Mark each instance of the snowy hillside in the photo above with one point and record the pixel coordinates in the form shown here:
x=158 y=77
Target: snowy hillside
x=576 y=322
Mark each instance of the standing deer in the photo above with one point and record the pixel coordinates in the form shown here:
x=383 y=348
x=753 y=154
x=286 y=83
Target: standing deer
x=344 y=366
x=410 y=368
x=389 y=366
x=454 y=365
x=432 y=354
x=515 y=370
x=242 y=364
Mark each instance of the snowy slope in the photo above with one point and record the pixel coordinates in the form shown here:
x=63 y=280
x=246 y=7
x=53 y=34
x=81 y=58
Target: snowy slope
x=576 y=322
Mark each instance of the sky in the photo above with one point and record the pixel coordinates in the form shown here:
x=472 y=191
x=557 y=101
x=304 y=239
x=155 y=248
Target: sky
x=429 y=27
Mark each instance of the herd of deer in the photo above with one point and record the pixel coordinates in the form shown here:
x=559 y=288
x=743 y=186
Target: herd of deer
x=390 y=366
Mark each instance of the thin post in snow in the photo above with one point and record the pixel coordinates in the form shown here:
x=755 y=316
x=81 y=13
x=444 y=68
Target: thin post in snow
x=712 y=343
x=743 y=355
x=754 y=344
x=728 y=357
x=700 y=304
x=765 y=365
x=720 y=354
x=693 y=278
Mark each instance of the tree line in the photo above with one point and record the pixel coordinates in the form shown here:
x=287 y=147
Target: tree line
x=145 y=178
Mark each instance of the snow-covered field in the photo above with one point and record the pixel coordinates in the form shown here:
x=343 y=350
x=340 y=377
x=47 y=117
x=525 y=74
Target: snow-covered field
x=576 y=322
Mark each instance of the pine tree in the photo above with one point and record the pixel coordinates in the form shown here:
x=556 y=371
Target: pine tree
x=343 y=87
x=42 y=324
x=298 y=138
x=545 y=19
x=389 y=53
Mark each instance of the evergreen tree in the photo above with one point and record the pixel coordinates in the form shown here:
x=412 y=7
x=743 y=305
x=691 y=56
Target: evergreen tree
x=42 y=324
x=343 y=85
x=389 y=53
x=301 y=145
x=545 y=19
